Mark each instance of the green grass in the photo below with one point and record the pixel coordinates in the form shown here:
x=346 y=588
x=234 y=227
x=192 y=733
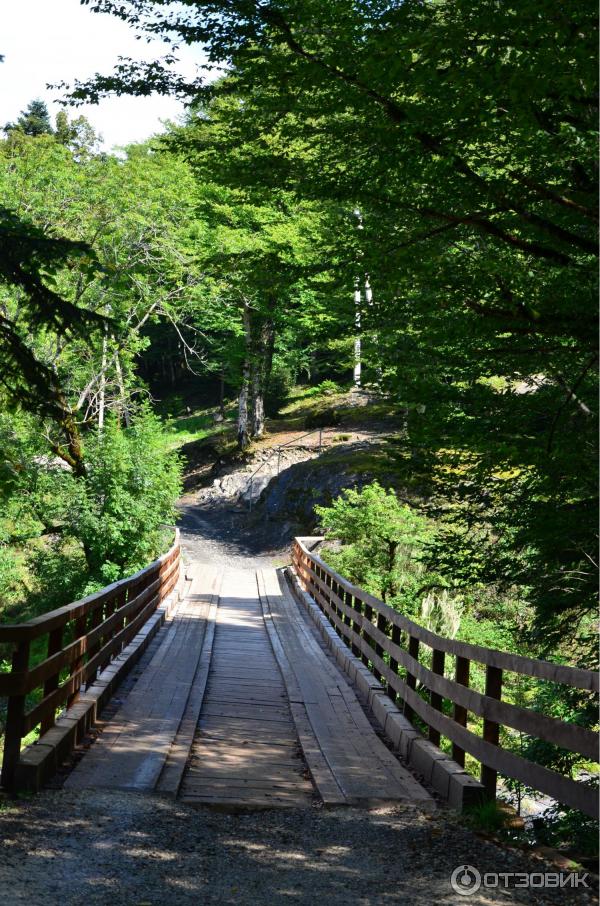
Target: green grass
x=198 y=426
x=308 y=402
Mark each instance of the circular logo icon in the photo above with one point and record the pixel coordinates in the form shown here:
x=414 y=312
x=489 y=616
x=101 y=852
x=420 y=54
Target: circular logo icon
x=465 y=880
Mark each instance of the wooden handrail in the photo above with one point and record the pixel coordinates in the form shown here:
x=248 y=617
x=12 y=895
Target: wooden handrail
x=82 y=638
x=374 y=631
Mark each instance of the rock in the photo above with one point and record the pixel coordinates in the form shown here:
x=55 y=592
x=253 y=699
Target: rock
x=253 y=492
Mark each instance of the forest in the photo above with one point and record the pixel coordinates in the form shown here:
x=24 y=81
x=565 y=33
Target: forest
x=393 y=197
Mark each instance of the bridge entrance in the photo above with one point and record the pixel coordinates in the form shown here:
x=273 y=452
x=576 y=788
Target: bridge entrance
x=241 y=705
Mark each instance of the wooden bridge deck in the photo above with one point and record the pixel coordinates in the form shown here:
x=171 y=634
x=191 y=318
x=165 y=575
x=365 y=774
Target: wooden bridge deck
x=246 y=749
x=241 y=706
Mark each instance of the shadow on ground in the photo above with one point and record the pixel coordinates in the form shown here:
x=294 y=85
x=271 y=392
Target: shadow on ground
x=106 y=849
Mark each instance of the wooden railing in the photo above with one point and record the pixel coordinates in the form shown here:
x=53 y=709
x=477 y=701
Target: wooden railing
x=391 y=644
x=79 y=641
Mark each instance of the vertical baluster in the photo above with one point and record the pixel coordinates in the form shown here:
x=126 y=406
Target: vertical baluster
x=128 y=594
x=334 y=591
x=93 y=650
x=368 y=615
x=348 y=603
x=411 y=680
x=397 y=640
x=79 y=633
x=310 y=581
x=347 y=599
x=437 y=665
x=15 y=714
x=491 y=730
x=107 y=610
x=323 y=592
x=55 y=638
x=382 y=626
x=357 y=607
x=460 y=714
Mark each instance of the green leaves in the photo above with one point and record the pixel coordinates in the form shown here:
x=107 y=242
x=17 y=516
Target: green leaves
x=384 y=542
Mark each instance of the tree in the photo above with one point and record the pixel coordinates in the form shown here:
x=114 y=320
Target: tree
x=85 y=474
x=77 y=134
x=265 y=256
x=475 y=175
x=34 y=120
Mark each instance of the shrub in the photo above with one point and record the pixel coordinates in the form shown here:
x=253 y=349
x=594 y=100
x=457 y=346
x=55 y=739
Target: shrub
x=384 y=543
x=132 y=484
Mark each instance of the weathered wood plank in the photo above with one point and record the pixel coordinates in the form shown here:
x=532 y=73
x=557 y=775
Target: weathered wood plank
x=132 y=751
x=362 y=766
x=245 y=753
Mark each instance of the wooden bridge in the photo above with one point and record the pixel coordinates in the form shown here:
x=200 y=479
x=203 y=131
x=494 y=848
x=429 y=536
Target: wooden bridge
x=271 y=688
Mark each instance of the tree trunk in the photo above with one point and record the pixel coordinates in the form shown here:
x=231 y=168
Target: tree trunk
x=102 y=393
x=259 y=336
x=123 y=398
x=263 y=341
x=243 y=427
x=222 y=392
x=357 y=338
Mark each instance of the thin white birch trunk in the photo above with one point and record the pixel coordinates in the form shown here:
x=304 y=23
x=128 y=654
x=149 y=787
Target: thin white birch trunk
x=357 y=338
x=121 y=384
x=102 y=392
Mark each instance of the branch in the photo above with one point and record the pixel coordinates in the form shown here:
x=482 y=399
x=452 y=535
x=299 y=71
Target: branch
x=570 y=395
x=434 y=145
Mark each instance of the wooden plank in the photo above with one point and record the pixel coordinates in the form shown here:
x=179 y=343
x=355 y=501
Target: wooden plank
x=321 y=773
x=245 y=753
x=133 y=749
x=172 y=773
x=362 y=766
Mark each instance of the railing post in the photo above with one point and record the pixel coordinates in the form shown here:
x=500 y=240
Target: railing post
x=357 y=607
x=382 y=626
x=411 y=680
x=14 y=719
x=55 y=638
x=80 y=632
x=95 y=648
x=460 y=714
x=396 y=639
x=491 y=730
x=437 y=665
x=109 y=608
x=368 y=614
x=348 y=603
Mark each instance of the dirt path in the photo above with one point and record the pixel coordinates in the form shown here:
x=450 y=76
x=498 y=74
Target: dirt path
x=69 y=849
x=227 y=536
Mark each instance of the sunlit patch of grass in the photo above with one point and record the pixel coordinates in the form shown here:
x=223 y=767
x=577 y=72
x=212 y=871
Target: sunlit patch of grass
x=197 y=426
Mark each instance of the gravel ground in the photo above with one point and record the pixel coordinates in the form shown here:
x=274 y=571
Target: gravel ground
x=72 y=848
x=224 y=535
